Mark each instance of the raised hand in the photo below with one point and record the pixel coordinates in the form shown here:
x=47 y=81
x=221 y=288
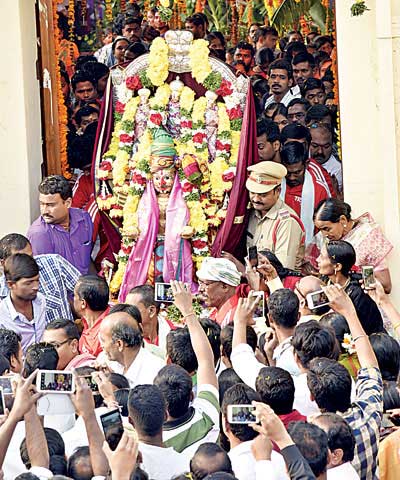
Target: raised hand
x=245 y=309
x=122 y=460
x=183 y=299
x=339 y=300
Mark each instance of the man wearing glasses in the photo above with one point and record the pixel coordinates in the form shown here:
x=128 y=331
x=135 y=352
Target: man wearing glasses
x=297 y=109
x=63 y=334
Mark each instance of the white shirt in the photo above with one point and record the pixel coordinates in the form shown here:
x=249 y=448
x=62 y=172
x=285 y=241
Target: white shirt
x=284 y=357
x=244 y=464
x=292 y=93
x=302 y=397
x=162 y=463
x=142 y=370
x=334 y=168
x=345 y=471
x=245 y=364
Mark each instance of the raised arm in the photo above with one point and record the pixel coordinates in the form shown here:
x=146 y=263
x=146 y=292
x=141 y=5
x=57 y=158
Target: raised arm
x=341 y=303
x=380 y=297
x=201 y=345
x=36 y=442
x=84 y=405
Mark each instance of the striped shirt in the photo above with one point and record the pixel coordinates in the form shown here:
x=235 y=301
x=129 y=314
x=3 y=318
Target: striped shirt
x=57 y=280
x=199 y=425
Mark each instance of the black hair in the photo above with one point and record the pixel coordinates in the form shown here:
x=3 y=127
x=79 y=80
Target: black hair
x=147 y=296
x=304 y=57
x=311 y=340
x=42 y=356
x=20 y=265
x=58 y=465
x=227 y=337
x=245 y=46
x=312 y=442
x=213 y=332
x=297 y=132
x=149 y=33
x=391 y=395
x=84 y=112
x=4 y=364
x=196 y=19
x=147 y=409
x=94 y=290
x=227 y=379
x=220 y=36
x=340 y=435
x=131 y=19
x=138 y=48
x=299 y=101
x=79 y=460
x=213 y=457
x=269 y=128
x=176 y=386
x=54 y=184
x=69 y=327
x=293 y=47
x=281 y=109
x=252 y=25
x=118 y=380
x=82 y=76
x=276 y=388
x=180 y=350
x=82 y=62
x=10 y=242
x=283 y=308
x=317 y=113
x=240 y=394
x=121 y=397
x=330 y=384
x=27 y=476
x=339 y=324
x=312 y=84
x=340 y=251
x=331 y=209
x=9 y=343
x=220 y=476
x=321 y=40
x=264 y=55
x=293 y=152
x=55 y=445
x=387 y=352
x=129 y=309
x=281 y=65
x=264 y=32
x=131 y=336
x=96 y=70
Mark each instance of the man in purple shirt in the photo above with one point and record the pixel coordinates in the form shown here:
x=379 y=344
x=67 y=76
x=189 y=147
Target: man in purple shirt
x=60 y=228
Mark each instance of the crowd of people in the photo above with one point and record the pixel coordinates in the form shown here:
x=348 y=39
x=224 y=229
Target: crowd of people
x=313 y=382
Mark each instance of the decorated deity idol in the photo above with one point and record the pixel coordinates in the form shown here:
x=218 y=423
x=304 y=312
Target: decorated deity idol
x=174 y=117
x=142 y=113
x=211 y=118
x=160 y=253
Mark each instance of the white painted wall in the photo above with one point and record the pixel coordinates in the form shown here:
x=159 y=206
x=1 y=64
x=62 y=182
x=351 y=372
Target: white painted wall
x=20 y=124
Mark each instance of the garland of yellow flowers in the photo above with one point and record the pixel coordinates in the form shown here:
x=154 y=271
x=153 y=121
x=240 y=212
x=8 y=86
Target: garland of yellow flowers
x=108 y=11
x=62 y=109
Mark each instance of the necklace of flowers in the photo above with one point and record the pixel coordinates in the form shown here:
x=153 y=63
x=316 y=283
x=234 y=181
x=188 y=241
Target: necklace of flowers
x=348 y=344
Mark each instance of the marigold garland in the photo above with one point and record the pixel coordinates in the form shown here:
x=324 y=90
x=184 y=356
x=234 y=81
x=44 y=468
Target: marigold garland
x=108 y=11
x=71 y=19
x=62 y=109
x=157 y=71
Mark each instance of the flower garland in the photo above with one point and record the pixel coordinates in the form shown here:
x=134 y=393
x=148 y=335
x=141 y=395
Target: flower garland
x=62 y=109
x=71 y=20
x=108 y=11
x=157 y=71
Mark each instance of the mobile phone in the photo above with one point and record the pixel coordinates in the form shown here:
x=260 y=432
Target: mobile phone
x=163 y=293
x=241 y=414
x=91 y=382
x=2 y=403
x=260 y=308
x=253 y=256
x=55 y=381
x=5 y=384
x=368 y=277
x=112 y=427
x=317 y=299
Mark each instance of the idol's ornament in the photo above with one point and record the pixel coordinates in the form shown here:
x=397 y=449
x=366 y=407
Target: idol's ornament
x=165 y=177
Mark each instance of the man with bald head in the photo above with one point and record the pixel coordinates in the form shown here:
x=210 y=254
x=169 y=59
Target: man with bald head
x=209 y=458
x=122 y=342
x=305 y=286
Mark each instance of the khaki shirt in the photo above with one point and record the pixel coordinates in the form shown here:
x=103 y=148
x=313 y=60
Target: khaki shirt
x=289 y=242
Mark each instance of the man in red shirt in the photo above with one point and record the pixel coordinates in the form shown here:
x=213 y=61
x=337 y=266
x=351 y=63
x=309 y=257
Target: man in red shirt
x=91 y=296
x=302 y=190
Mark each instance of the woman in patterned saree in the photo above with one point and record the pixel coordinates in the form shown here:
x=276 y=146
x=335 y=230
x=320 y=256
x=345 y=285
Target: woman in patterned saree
x=332 y=217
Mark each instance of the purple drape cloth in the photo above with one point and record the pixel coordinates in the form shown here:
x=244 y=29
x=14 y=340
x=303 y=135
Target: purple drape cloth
x=177 y=263
x=230 y=237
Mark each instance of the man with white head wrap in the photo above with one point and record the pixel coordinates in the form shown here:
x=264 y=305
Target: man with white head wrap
x=220 y=288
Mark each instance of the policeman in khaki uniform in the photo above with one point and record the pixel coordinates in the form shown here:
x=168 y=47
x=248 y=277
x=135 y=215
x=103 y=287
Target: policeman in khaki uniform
x=273 y=225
